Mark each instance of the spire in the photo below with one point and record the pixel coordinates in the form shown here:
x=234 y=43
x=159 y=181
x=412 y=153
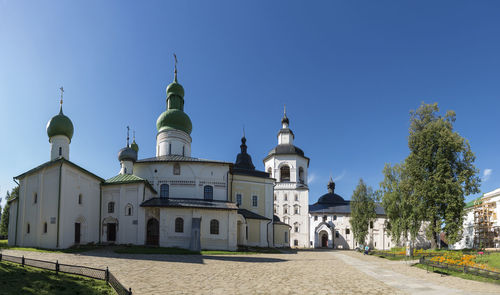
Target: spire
x=331 y=186
x=61 y=101
x=285 y=118
x=128 y=130
x=175 y=68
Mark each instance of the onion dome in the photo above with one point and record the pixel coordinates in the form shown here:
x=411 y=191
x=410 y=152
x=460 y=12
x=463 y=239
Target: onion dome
x=127 y=154
x=174 y=117
x=244 y=160
x=134 y=146
x=60 y=125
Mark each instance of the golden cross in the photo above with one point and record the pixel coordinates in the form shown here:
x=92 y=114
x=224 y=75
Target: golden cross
x=175 y=68
x=62 y=91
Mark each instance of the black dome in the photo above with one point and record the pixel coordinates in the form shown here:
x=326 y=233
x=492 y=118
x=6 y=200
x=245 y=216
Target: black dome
x=331 y=198
x=243 y=159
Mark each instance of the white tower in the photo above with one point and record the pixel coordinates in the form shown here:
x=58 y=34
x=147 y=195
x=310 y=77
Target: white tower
x=287 y=164
x=60 y=131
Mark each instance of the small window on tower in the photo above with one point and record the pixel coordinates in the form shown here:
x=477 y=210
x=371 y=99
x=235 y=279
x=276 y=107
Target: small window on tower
x=80 y=199
x=45 y=228
x=60 y=151
x=35 y=198
x=177 y=169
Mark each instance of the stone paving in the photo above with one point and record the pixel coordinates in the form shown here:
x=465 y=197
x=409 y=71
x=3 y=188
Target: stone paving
x=306 y=272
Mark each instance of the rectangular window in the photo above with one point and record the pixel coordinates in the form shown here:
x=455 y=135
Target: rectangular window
x=296 y=210
x=296 y=229
x=295 y=242
x=238 y=199
x=297 y=198
x=315 y=218
x=111 y=207
x=347 y=231
x=254 y=201
x=334 y=217
x=371 y=224
x=337 y=234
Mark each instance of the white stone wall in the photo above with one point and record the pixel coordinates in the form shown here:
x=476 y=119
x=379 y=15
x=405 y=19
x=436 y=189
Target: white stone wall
x=467 y=240
x=173 y=142
x=56 y=142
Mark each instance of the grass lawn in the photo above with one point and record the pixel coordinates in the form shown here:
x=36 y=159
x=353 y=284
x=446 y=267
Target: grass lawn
x=179 y=251
x=492 y=260
x=15 y=279
x=76 y=249
x=458 y=274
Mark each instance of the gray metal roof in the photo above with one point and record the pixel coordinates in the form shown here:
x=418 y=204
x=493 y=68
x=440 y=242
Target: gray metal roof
x=251 y=215
x=177 y=158
x=339 y=208
x=189 y=203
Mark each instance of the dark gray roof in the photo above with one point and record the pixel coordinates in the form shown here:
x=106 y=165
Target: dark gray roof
x=177 y=158
x=286 y=149
x=251 y=215
x=256 y=173
x=276 y=220
x=339 y=208
x=127 y=153
x=189 y=203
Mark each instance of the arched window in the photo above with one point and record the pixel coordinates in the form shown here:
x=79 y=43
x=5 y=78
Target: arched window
x=111 y=207
x=179 y=225
x=60 y=151
x=270 y=171
x=208 y=192
x=214 y=227
x=177 y=169
x=284 y=173
x=296 y=197
x=296 y=227
x=80 y=199
x=169 y=148
x=285 y=209
x=28 y=229
x=286 y=197
x=296 y=209
x=238 y=199
x=183 y=148
x=301 y=175
x=129 y=210
x=35 y=198
x=45 y=227
x=164 y=190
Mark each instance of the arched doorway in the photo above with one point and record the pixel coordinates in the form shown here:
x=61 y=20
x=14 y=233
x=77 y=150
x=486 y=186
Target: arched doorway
x=153 y=232
x=324 y=240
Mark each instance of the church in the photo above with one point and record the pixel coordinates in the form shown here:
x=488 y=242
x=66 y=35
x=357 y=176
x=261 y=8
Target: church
x=176 y=200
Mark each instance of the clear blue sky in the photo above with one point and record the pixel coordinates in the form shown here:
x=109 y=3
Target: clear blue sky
x=348 y=71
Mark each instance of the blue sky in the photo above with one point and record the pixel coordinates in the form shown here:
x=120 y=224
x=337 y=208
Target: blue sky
x=348 y=71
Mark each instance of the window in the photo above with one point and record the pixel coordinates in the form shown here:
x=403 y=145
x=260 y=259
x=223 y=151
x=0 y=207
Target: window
x=371 y=224
x=285 y=209
x=334 y=217
x=179 y=225
x=214 y=227
x=80 y=199
x=255 y=201
x=301 y=175
x=296 y=209
x=164 y=190
x=111 y=207
x=177 y=168
x=246 y=232
x=295 y=242
x=286 y=197
x=296 y=197
x=183 y=148
x=28 y=229
x=324 y=218
x=60 y=151
x=285 y=173
x=169 y=148
x=35 y=198
x=238 y=199
x=45 y=227
x=347 y=231
x=275 y=197
x=208 y=192
x=286 y=220
x=275 y=209
x=270 y=171
x=286 y=237
x=337 y=234
x=315 y=217
x=128 y=210
x=296 y=228
x=375 y=244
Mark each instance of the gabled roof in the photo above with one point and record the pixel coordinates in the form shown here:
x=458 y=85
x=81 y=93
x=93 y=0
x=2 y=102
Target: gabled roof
x=128 y=178
x=177 y=158
x=53 y=162
x=189 y=203
x=251 y=215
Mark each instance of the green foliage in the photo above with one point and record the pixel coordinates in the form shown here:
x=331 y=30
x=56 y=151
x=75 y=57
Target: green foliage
x=362 y=211
x=15 y=279
x=4 y=220
x=440 y=171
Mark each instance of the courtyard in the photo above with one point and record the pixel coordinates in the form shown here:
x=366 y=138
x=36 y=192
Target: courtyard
x=303 y=272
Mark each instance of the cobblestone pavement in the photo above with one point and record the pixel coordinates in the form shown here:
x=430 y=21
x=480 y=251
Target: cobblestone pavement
x=307 y=272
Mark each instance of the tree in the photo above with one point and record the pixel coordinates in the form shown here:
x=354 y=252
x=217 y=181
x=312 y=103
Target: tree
x=362 y=211
x=4 y=221
x=403 y=211
x=440 y=170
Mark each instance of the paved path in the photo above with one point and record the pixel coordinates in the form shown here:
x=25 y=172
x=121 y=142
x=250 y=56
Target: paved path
x=306 y=272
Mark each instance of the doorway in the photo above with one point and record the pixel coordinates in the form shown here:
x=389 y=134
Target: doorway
x=111 y=232
x=153 y=232
x=77 y=232
x=324 y=240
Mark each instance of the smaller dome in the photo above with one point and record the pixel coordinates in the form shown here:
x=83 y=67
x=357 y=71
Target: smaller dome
x=127 y=153
x=174 y=119
x=60 y=125
x=134 y=146
x=175 y=88
x=331 y=198
x=243 y=159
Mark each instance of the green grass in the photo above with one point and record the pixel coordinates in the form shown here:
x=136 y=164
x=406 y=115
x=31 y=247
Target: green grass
x=458 y=274
x=179 y=251
x=75 y=249
x=492 y=260
x=15 y=279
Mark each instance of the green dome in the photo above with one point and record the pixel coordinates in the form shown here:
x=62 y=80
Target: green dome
x=174 y=119
x=134 y=146
x=60 y=125
x=175 y=89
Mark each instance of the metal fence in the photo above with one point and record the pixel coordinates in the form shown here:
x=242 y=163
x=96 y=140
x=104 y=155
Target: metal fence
x=460 y=268
x=389 y=254
x=95 y=273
